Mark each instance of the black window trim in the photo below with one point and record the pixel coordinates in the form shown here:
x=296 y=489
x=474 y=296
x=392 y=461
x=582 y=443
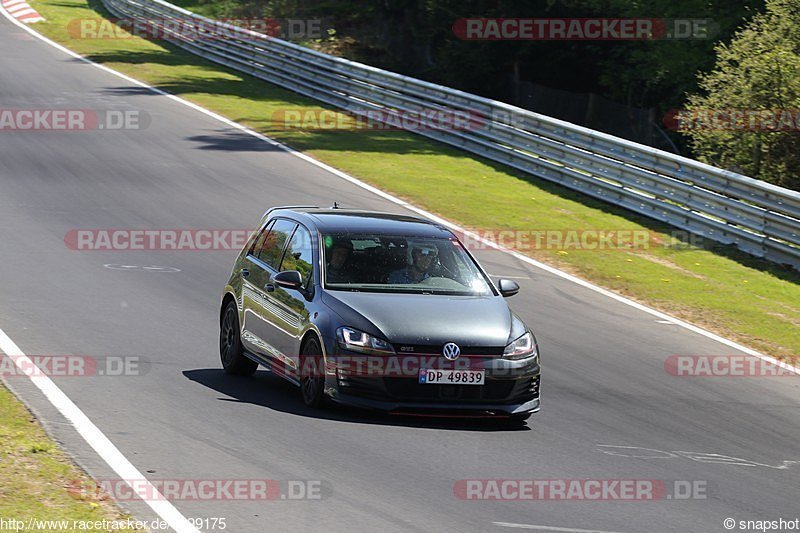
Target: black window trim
x=267 y=227
x=314 y=271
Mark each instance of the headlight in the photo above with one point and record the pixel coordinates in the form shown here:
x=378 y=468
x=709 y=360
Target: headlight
x=358 y=341
x=521 y=348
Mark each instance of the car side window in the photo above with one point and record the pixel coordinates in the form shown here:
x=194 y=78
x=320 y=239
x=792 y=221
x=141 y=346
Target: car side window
x=299 y=254
x=258 y=243
x=271 y=250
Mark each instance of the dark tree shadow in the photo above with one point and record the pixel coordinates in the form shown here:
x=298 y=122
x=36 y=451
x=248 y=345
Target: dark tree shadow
x=233 y=141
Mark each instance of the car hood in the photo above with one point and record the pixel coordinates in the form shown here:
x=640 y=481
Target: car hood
x=431 y=320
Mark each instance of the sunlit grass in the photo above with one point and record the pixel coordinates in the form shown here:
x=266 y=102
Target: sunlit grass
x=37 y=481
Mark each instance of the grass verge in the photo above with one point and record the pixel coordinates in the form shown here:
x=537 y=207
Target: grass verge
x=742 y=298
x=38 y=482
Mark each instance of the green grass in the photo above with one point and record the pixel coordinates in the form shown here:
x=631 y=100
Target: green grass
x=751 y=301
x=36 y=479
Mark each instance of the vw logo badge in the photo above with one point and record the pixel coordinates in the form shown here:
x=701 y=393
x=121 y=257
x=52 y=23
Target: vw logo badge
x=451 y=351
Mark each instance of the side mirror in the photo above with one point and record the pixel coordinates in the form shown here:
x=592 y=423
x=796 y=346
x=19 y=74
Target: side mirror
x=289 y=279
x=507 y=287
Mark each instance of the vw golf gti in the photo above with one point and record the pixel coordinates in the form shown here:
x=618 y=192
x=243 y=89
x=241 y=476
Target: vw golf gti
x=380 y=311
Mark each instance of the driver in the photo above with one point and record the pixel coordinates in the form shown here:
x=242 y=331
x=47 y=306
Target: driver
x=336 y=270
x=422 y=259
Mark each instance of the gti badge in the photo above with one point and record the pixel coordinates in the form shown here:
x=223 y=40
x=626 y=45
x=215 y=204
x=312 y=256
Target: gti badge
x=451 y=351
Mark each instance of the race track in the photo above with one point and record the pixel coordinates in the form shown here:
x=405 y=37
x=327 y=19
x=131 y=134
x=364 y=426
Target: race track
x=604 y=382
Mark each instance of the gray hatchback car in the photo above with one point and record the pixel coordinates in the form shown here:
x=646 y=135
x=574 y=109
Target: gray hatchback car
x=379 y=311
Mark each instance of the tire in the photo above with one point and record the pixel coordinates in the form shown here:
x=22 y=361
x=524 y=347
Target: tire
x=230 y=345
x=312 y=386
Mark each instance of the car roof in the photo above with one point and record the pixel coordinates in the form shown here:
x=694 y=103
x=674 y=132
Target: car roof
x=339 y=220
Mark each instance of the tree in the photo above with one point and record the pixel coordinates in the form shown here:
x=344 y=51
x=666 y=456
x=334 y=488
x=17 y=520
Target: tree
x=748 y=118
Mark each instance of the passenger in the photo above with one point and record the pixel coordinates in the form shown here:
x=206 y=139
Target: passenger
x=422 y=259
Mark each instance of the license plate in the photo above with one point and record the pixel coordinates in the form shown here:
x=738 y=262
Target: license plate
x=452 y=377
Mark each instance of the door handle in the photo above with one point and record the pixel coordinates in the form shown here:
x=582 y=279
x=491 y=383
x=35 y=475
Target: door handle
x=270 y=287
x=245 y=272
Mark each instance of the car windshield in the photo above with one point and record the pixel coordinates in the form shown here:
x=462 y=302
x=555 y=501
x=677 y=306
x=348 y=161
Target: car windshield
x=390 y=263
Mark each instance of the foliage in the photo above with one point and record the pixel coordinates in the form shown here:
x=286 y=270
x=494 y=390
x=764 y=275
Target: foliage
x=760 y=71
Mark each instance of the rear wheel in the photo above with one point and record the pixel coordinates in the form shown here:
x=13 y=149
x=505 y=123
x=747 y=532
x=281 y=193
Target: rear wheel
x=230 y=345
x=312 y=380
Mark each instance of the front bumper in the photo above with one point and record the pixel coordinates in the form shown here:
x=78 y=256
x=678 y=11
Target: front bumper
x=455 y=409
x=510 y=388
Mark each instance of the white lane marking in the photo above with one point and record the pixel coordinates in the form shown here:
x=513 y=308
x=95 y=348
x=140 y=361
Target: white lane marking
x=665 y=322
x=509 y=277
x=98 y=441
x=549 y=528
x=637 y=452
x=137 y=268
x=410 y=207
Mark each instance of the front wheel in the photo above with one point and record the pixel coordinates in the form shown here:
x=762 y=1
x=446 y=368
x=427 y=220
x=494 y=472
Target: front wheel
x=230 y=345
x=312 y=380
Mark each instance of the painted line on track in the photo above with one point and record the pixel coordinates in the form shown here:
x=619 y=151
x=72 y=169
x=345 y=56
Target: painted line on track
x=411 y=207
x=396 y=201
x=106 y=449
x=97 y=439
x=20 y=10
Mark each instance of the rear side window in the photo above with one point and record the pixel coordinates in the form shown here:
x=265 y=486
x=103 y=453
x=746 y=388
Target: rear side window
x=258 y=243
x=271 y=250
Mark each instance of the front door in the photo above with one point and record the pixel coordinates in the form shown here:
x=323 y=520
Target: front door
x=291 y=305
x=258 y=332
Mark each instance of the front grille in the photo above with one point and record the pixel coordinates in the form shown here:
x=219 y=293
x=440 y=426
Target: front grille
x=425 y=349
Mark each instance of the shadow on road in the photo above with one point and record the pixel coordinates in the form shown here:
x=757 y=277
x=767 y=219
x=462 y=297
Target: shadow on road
x=267 y=390
x=233 y=141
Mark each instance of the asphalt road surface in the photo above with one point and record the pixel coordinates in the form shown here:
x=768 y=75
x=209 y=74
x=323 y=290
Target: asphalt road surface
x=604 y=384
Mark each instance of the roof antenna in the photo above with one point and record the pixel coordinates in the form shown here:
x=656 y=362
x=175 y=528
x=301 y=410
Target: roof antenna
x=335 y=205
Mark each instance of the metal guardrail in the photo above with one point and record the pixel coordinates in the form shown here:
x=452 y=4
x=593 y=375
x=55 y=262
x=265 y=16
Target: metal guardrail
x=757 y=217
